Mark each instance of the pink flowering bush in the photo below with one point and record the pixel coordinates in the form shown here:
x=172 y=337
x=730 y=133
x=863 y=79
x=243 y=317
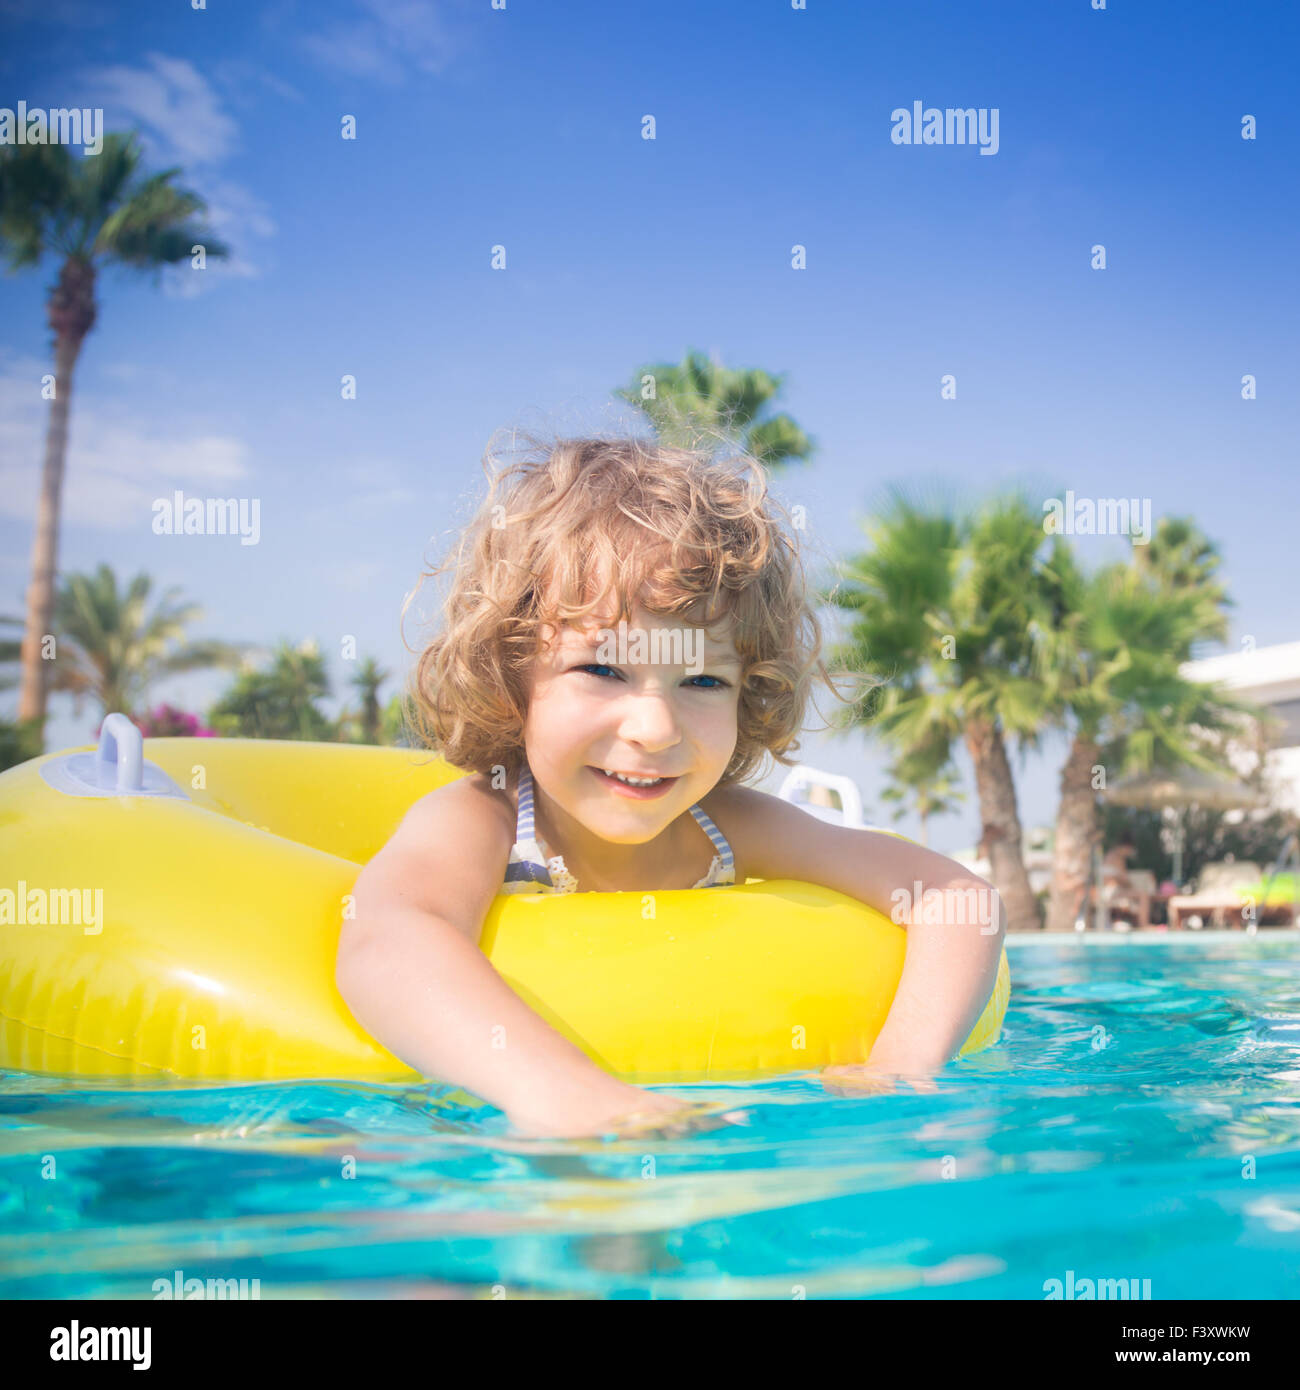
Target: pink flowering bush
x=166 y=721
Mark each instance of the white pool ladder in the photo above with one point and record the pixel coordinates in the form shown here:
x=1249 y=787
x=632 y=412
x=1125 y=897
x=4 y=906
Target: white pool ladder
x=799 y=779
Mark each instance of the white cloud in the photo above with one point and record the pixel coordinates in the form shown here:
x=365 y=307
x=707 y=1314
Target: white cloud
x=244 y=81
x=231 y=205
x=182 y=120
x=115 y=469
x=388 y=38
x=358 y=54
x=182 y=112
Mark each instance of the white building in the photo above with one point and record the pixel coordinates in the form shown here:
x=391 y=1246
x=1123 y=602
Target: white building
x=1268 y=676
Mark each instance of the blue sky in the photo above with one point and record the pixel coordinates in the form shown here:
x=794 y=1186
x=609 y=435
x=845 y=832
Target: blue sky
x=523 y=128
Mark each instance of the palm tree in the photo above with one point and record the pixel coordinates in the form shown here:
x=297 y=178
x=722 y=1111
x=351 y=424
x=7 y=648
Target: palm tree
x=279 y=702
x=90 y=212
x=395 y=728
x=369 y=677
x=701 y=395
x=18 y=743
x=1183 y=557
x=1110 y=665
x=11 y=649
x=940 y=610
x=920 y=783
x=364 y=725
x=113 y=646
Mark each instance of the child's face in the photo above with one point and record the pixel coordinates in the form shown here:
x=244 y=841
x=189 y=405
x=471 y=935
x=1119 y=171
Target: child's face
x=665 y=704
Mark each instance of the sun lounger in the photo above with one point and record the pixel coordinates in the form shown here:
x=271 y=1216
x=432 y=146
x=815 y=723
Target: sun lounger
x=1220 y=895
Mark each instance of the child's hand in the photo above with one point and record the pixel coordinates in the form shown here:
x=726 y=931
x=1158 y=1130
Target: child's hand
x=628 y=1112
x=673 y=1120
x=864 y=1079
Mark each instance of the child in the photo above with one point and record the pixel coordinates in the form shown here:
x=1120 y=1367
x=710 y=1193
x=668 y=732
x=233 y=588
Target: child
x=627 y=635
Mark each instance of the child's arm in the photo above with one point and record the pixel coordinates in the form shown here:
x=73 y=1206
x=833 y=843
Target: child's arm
x=410 y=969
x=950 y=966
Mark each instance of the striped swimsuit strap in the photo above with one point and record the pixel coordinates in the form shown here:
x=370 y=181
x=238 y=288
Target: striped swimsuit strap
x=526 y=832
x=528 y=870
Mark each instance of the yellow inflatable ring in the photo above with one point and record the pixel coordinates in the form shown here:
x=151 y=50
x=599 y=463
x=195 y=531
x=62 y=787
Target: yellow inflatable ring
x=180 y=916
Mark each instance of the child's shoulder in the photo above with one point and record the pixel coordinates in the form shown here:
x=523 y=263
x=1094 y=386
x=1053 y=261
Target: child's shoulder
x=468 y=807
x=475 y=792
x=448 y=856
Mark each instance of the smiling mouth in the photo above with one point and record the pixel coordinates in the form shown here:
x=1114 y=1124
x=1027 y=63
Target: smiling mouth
x=647 y=787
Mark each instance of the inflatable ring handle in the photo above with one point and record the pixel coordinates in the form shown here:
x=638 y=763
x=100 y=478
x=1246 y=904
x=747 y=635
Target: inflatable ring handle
x=119 y=759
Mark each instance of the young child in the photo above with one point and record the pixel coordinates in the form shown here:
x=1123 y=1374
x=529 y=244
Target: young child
x=600 y=767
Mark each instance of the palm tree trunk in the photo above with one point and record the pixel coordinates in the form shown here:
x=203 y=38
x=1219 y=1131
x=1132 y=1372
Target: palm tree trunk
x=1076 y=829
x=45 y=547
x=1000 y=832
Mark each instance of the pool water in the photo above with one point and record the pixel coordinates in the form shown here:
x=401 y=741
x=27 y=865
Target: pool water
x=1140 y=1120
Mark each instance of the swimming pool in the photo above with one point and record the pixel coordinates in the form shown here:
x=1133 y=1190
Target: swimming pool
x=1139 y=1121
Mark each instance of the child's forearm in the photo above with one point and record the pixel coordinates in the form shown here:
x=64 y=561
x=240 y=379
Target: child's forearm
x=428 y=994
x=949 y=971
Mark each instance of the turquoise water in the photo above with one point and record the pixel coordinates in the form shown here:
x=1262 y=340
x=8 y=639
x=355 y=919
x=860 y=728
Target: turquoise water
x=1111 y=1133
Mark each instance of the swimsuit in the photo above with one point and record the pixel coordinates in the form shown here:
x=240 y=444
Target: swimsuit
x=532 y=870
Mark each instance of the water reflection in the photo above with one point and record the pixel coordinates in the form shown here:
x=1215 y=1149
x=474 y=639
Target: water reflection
x=1111 y=1129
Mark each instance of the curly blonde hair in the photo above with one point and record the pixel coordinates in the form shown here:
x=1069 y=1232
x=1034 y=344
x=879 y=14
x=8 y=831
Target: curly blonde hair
x=678 y=529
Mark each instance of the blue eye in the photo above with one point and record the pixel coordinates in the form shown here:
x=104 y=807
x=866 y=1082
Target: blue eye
x=718 y=682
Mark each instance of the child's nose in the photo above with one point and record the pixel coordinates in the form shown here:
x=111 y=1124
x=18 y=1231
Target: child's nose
x=647 y=717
